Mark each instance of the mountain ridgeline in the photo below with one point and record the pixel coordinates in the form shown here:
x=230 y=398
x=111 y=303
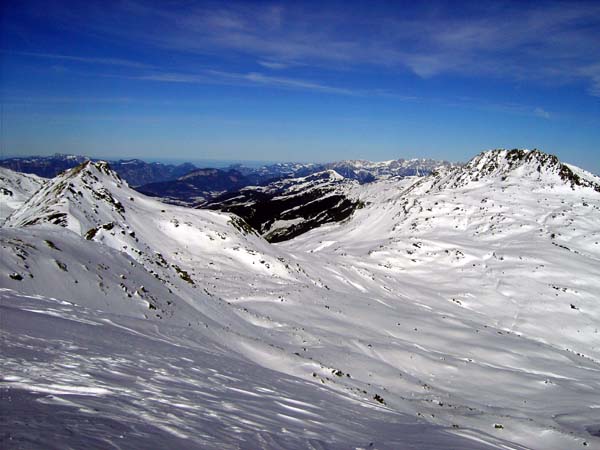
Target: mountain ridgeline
x=186 y=184
x=532 y=164
x=203 y=186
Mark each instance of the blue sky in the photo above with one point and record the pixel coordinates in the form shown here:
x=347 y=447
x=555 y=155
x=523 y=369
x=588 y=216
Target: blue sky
x=305 y=81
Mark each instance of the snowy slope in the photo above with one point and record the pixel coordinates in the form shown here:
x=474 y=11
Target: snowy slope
x=15 y=189
x=457 y=310
x=521 y=237
x=183 y=248
x=77 y=378
x=509 y=250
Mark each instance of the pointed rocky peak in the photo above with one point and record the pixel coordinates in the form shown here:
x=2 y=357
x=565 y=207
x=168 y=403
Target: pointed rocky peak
x=94 y=170
x=79 y=198
x=503 y=161
x=519 y=164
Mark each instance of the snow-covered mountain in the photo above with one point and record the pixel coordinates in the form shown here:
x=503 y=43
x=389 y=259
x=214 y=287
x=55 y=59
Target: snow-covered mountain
x=95 y=203
x=292 y=206
x=360 y=170
x=456 y=310
x=368 y=171
x=202 y=186
x=15 y=189
x=544 y=169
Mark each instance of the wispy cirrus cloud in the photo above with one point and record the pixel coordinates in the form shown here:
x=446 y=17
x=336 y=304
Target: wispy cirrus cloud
x=249 y=79
x=274 y=65
x=482 y=104
x=49 y=100
x=259 y=79
x=84 y=59
x=541 y=112
x=593 y=73
x=549 y=42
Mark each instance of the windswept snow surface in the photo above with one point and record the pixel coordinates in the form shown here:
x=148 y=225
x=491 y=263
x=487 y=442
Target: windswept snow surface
x=458 y=310
x=80 y=378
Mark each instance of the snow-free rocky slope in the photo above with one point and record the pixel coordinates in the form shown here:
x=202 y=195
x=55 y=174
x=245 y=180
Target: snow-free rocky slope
x=457 y=310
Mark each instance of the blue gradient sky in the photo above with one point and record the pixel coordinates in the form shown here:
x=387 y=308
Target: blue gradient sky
x=300 y=81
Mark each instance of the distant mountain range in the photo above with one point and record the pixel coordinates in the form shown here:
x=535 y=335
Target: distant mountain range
x=203 y=186
x=197 y=186
x=43 y=166
x=186 y=184
x=135 y=171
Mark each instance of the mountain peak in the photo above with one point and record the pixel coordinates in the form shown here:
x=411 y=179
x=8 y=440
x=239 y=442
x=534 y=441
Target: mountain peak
x=506 y=160
x=521 y=163
x=78 y=199
x=93 y=168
